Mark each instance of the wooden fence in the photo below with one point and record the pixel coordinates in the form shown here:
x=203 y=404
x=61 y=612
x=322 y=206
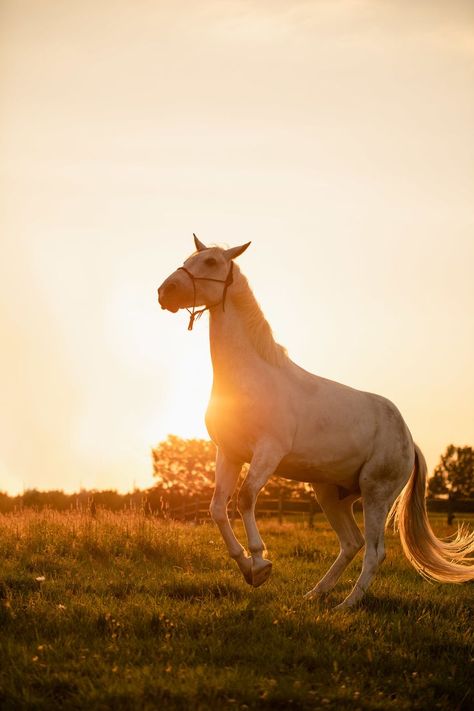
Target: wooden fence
x=303 y=510
x=197 y=510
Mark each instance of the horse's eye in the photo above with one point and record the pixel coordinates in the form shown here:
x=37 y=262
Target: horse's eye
x=210 y=262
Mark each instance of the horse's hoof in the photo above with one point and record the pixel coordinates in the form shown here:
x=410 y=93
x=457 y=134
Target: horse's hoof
x=314 y=594
x=346 y=605
x=261 y=572
x=245 y=565
x=248 y=577
x=342 y=606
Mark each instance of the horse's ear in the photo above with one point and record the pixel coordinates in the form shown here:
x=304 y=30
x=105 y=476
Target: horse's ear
x=234 y=252
x=199 y=245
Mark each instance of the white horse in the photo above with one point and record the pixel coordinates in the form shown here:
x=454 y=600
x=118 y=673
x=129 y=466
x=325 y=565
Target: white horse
x=267 y=411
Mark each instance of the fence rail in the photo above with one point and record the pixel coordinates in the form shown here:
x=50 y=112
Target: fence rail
x=198 y=509
x=281 y=507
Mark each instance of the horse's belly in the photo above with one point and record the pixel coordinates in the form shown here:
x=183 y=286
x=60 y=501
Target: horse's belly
x=343 y=472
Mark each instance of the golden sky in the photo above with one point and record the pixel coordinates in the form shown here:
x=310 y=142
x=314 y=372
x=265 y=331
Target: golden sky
x=337 y=135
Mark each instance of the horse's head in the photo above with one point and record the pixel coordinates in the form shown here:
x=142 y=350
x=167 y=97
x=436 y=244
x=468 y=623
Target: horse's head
x=203 y=280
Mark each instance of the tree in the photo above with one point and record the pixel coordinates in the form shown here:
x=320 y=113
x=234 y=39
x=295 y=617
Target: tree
x=184 y=465
x=454 y=474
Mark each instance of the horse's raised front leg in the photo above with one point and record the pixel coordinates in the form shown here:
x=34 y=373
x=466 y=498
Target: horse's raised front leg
x=264 y=462
x=339 y=514
x=227 y=475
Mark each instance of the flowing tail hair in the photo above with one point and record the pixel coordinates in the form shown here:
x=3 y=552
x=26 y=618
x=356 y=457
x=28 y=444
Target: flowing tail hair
x=445 y=560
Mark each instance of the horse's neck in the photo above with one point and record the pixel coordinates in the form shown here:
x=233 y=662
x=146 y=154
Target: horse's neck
x=240 y=337
x=231 y=350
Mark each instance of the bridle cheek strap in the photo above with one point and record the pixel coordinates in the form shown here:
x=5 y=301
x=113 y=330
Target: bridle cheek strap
x=194 y=314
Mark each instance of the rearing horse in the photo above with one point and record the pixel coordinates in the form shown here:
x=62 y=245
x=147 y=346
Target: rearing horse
x=267 y=411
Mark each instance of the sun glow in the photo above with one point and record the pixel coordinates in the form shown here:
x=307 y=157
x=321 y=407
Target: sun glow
x=299 y=139
x=183 y=406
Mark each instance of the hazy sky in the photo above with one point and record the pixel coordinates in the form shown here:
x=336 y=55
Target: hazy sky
x=337 y=135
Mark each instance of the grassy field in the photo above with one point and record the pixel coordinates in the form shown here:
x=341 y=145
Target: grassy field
x=127 y=612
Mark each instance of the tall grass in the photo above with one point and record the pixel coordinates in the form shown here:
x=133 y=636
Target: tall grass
x=127 y=612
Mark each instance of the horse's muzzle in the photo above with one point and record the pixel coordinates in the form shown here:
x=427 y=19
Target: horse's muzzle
x=167 y=296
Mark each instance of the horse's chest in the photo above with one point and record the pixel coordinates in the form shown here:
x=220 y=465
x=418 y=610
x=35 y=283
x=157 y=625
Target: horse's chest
x=235 y=423
x=226 y=413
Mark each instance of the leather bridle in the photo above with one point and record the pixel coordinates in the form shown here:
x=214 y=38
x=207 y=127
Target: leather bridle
x=195 y=315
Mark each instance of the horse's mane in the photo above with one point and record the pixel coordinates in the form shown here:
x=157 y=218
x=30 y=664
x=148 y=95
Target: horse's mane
x=257 y=327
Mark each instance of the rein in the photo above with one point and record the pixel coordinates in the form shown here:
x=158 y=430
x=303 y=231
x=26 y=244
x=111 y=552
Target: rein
x=195 y=315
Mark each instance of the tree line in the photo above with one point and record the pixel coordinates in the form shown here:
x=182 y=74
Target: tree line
x=184 y=471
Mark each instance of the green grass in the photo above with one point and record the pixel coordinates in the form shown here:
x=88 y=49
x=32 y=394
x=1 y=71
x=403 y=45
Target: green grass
x=135 y=613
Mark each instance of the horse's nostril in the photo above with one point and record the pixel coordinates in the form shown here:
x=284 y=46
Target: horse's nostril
x=169 y=288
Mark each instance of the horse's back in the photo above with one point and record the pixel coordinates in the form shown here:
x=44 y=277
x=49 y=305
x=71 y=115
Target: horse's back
x=339 y=429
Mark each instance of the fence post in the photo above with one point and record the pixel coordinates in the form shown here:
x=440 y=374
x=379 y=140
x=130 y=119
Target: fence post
x=311 y=513
x=196 y=514
x=280 y=506
x=451 y=516
x=91 y=506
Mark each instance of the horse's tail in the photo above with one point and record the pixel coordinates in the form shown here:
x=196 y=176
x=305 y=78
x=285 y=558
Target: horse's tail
x=445 y=560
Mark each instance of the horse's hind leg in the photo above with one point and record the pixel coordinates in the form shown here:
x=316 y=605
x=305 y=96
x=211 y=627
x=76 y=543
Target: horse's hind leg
x=339 y=514
x=378 y=494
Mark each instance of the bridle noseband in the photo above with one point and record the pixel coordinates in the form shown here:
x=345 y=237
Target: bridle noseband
x=195 y=315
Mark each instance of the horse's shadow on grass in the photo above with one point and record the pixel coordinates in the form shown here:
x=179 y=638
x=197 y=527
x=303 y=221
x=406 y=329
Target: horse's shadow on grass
x=395 y=604
x=198 y=591
x=381 y=604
